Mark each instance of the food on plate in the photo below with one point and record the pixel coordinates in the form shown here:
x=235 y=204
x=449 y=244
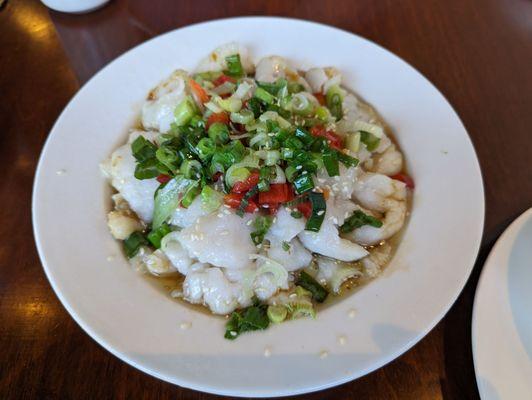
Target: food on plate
x=260 y=190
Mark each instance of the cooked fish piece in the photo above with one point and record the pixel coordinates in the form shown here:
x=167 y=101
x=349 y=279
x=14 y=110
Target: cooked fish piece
x=184 y=217
x=291 y=254
x=328 y=242
x=120 y=169
x=221 y=239
x=285 y=227
x=158 y=110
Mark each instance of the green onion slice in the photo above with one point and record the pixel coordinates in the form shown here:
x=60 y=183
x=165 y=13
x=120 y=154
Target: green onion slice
x=319 y=293
x=156 y=235
x=133 y=244
x=357 y=220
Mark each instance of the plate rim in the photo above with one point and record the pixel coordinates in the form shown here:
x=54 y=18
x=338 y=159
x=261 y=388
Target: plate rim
x=521 y=219
x=231 y=391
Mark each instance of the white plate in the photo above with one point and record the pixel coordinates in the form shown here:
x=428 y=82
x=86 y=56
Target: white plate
x=131 y=319
x=502 y=316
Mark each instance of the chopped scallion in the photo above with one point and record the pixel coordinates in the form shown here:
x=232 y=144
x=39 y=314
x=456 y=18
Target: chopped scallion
x=156 y=235
x=184 y=112
x=133 y=243
x=357 y=220
x=243 y=117
x=370 y=140
x=219 y=133
x=319 y=293
x=319 y=208
x=234 y=66
x=191 y=169
x=264 y=96
x=261 y=225
x=303 y=183
x=330 y=161
x=143 y=149
x=334 y=98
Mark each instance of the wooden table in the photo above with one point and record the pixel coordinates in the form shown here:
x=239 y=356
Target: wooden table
x=478 y=53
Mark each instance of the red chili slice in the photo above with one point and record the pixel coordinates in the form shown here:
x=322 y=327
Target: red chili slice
x=408 y=181
x=163 y=178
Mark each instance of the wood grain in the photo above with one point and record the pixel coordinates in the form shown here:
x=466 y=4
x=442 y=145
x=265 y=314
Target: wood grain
x=478 y=53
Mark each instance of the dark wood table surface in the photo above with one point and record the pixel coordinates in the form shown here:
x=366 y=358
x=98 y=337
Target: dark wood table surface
x=478 y=53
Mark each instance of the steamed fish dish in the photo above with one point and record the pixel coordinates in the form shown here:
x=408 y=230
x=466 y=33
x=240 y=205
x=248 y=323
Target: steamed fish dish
x=257 y=190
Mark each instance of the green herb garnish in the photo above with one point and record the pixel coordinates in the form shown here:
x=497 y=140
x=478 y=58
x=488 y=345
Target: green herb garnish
x=249 y=319
x=319 y=293
x=261 y=225
x=357 y=220
x=319 y=208
x=133 y=244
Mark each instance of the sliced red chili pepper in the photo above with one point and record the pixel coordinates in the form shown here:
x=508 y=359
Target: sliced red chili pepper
x=305 y=208
x=334 y=140
x=252 y=207
x=222 y=79
x=408 y=181
x=198 y=91
x=320 y=97
x=233 y=200
x=291 y=195
x=278 y=193
x=222 y=117
x=163 y=178
x=246 y=184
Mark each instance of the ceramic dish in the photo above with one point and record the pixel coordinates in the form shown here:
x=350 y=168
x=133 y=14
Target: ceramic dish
x=502 y=328
x=367 y=329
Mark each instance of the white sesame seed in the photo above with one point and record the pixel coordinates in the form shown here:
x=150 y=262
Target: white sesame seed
x=321 y=212
x=185 y=325
x=267 y=351
x=249 y=222
x=341 y=340
x=298 y=167
x=323 y=354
